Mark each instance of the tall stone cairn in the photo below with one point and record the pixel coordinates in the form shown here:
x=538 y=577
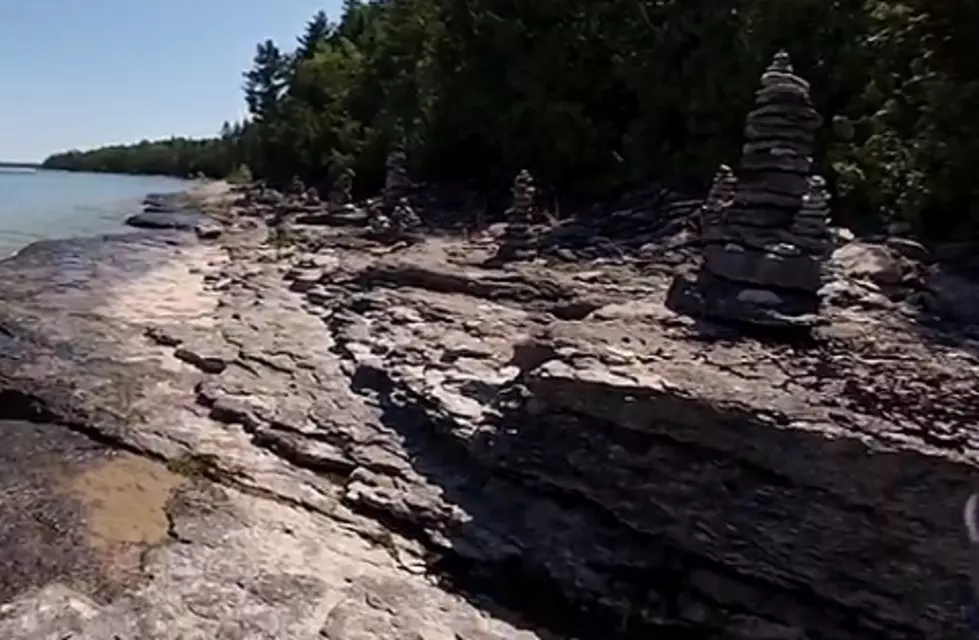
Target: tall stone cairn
x=518 y=238
x=719 y=198
x=396 y=181
x=763 y=265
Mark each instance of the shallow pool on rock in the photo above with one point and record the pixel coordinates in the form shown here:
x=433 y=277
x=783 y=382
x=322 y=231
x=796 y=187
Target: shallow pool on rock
x=75 y=511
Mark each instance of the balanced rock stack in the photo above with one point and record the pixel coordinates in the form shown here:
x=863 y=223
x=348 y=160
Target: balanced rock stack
x=763 y=264
x=518 y=238
x=719 y=198
x=297 y=188
x=341 y=194
x=404 y=218
x=378 y=221
x=396 y=181
x=340 y=208
x=811 y=225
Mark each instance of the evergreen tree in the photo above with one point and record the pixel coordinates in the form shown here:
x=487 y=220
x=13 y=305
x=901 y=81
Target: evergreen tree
x=318 y=31
x=265 y=81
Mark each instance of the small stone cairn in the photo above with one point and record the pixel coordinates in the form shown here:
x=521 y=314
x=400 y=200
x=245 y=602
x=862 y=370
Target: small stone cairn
x=719 y=198
x=297 y=188
x=397 y=184
x=378 y=221
x=312 y=196
x=341 y=194
x=260 y=199
x=391 y=216
x=404 y=218
x=340 y=205
x=763 y=263
x=811 y=225
x=518 y=237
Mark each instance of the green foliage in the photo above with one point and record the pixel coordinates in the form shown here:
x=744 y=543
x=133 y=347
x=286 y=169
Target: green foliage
x=595 y=96
x=241 y=175
x=175 y=157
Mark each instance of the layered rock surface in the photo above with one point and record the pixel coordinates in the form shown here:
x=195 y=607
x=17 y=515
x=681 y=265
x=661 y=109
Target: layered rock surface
x=577 y=459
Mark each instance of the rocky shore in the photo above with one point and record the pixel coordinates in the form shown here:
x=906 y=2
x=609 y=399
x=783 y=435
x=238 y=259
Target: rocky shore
x=298 y=418
x=317 y=433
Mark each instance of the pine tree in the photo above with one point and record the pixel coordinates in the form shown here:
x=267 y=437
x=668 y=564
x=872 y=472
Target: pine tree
x=318 y=31
x=265 y=81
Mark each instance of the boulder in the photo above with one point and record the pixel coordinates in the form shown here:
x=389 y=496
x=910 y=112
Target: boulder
x=181 y=221
x=208 y=230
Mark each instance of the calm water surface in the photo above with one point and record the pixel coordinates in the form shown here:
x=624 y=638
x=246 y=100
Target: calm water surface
x=40 y=205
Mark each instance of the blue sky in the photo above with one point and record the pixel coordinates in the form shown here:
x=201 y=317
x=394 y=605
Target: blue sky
x=84 y=73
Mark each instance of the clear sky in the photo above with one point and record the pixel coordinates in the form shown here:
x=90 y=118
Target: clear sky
x=84 y=73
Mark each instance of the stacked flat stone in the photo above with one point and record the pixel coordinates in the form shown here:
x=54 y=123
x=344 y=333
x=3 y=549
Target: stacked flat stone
x=719 y=198
x=518 y=238
x=777 y=153
x=811 y=225
x=312 y=196
x=378 y=220
x=341 y=194
x=403 y=217
x=758 y=269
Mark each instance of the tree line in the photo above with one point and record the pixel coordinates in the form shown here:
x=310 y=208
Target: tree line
x=595 y=96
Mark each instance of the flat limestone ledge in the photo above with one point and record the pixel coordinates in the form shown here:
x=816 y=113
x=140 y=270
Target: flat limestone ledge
x=801 y=496
x=245 y=567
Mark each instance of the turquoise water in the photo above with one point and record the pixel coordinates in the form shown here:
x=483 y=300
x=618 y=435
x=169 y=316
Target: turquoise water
x=38 y=205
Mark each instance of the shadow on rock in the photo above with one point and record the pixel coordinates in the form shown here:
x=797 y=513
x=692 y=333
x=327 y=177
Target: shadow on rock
x=598 y=507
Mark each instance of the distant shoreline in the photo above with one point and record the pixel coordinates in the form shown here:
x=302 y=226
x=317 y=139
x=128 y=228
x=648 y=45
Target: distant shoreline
x=136 y=174
x=20 y=165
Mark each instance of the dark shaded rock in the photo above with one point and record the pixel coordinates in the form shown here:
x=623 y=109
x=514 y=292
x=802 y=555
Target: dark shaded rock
x=208 y=230
x=164 y=336
x=952 y=296
x=181 y=221
x=349 y=215
x=909 y=248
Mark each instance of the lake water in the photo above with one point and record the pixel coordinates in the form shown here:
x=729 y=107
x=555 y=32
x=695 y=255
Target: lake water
x=38 y=205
